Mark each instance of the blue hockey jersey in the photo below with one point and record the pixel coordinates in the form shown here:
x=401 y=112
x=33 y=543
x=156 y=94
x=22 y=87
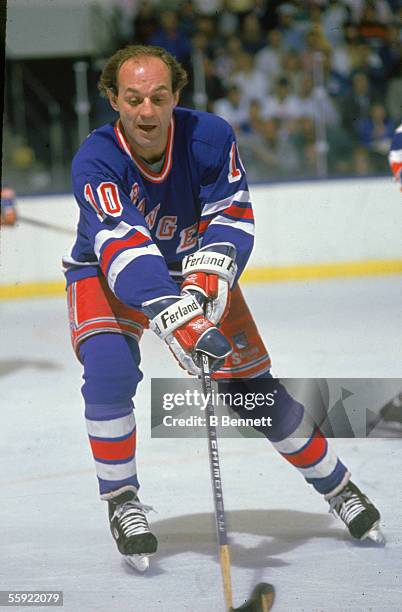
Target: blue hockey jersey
x=136 y=225
x=395 y=155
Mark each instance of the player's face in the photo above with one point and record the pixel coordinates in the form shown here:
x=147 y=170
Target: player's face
x=145 y=103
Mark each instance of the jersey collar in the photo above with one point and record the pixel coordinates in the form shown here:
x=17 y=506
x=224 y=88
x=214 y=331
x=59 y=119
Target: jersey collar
x=154 y=177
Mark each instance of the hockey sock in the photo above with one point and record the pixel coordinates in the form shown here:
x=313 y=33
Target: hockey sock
x=111 y=376
x=292 y=432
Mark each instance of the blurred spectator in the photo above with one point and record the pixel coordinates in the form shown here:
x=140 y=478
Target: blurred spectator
x=145 y=22
x=315 y=102
x=226 y=57
x=254 y=121
x=207 y=7
x=369 y=62
x=292 y=35
x=267 y=152
x=335 y=15
x=252 y=83
x=315 y=42
x=291 y=66
x=345 y=54
x=370 y=27
x=207 y=25
x=282 y=104
x=233 y=107
x=356 y=104
x=375 y=134
x=240 y=8
x=213 y=84
x=171 y=37
x=361 y=162
x=227 y=23
x=393 y=100
x=357 y=7
x=251 y=34
x=268 y=60
x=390 y=51
x=187 y=17
x=205 y=35
x=304 y=138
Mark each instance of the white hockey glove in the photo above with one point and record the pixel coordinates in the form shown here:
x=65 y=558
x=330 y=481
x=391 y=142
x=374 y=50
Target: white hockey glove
x=180 y=321
x=209 y=273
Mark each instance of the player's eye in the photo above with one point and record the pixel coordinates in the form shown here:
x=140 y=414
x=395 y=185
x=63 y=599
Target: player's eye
x=134 y=101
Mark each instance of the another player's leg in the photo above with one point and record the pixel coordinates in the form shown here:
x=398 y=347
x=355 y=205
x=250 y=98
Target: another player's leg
x=293 y=432
x=111 y=375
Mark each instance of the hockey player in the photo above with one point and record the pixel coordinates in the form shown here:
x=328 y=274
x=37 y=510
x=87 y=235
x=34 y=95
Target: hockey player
x=165 y=230
x=395 y=156
x=8 y=214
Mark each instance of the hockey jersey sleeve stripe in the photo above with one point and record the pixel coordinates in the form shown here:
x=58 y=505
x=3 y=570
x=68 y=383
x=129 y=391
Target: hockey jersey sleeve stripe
x=214 y=207
x=238 y=212
x=127 y=257
x=244 y=226
x=203 y=226
x=114 y=248
x=121 y=230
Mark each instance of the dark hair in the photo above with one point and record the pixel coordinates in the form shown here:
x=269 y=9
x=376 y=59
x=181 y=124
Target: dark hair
x=108 y=78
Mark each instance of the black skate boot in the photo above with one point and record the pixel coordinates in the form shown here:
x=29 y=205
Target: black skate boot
x=358 y=513
x=130 y=529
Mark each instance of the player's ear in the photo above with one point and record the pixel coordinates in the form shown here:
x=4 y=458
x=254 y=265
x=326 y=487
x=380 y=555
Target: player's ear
x=176 y=97
x=112 y=99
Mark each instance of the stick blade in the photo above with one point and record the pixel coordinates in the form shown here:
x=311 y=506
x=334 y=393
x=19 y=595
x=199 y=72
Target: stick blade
x=261 y=600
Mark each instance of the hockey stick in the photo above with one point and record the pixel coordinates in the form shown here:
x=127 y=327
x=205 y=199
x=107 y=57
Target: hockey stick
x=262 y=597
x=45 y=225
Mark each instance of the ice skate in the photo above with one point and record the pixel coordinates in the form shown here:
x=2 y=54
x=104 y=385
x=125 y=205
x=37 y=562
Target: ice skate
x=358 y=513
x=130 y=529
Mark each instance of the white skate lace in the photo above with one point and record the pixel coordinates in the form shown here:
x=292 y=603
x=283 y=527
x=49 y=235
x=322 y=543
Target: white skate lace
x=346 y=505
x=132 y=519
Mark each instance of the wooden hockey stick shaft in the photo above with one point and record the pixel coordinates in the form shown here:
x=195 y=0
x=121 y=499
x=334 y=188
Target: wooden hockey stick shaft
x=262 y=598
x=224 y=553
x=46 y=225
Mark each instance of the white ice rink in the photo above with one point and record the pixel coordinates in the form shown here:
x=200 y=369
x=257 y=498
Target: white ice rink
x=55 y=532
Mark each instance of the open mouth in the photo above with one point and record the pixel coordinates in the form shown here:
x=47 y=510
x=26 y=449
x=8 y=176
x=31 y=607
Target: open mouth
x=147 y=128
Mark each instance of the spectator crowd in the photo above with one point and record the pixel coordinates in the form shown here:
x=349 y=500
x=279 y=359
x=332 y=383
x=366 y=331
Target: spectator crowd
x=297 y=80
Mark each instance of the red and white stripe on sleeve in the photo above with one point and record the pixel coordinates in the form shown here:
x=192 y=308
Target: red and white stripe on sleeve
x=395 y=155
x=116 y=248
x=235 y=210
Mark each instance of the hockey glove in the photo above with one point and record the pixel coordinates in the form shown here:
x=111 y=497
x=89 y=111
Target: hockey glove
x=180 y=321
x=209 y=273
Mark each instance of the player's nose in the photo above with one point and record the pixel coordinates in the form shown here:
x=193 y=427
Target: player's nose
x=147 y=108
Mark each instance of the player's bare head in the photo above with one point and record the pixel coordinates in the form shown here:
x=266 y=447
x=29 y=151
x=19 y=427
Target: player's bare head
x=108 y=82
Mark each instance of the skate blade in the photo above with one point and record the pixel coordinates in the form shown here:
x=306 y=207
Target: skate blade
x=375 y=535
x=139 y=562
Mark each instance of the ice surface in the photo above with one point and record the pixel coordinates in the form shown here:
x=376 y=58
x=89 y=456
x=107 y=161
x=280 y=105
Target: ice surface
x=55 y=531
